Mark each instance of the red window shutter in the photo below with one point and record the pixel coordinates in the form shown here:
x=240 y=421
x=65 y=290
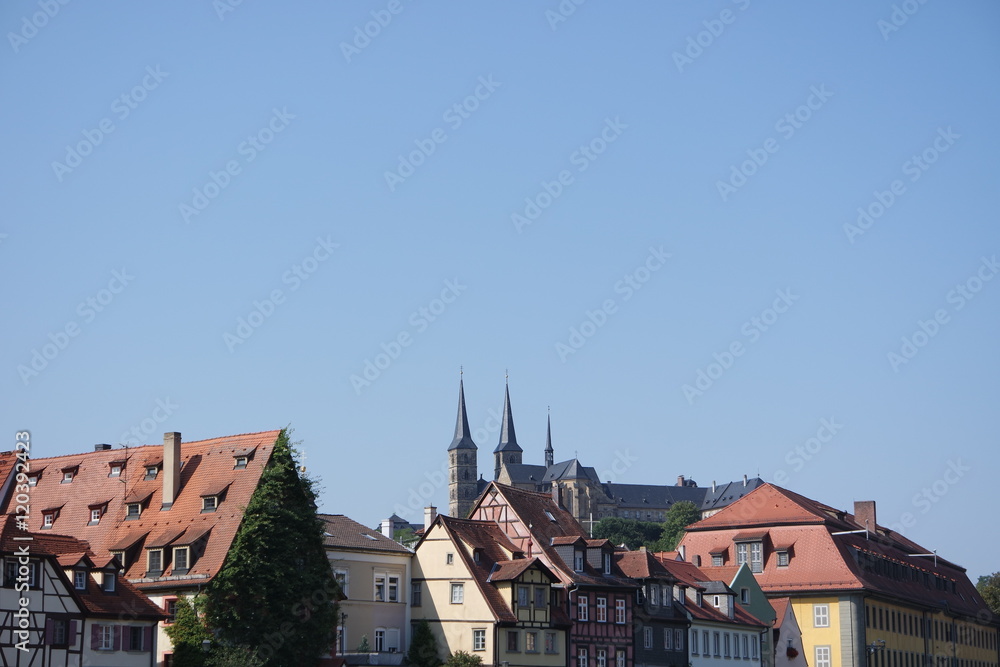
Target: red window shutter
x=49 y=631
x=95 y=636
x=71 y=638
x=147 y=638
x=118 y=638
x=126 y=638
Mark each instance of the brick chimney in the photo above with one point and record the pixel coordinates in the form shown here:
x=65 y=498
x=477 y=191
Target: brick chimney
x=430 y=513
x=171 y=468
x=680 y=480
x=864 y=510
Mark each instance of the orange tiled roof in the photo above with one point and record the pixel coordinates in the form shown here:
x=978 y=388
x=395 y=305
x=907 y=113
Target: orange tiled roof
x=65 y=551
x=826 y=561
x=780 y=606
x=206 y=465
x=641 y=564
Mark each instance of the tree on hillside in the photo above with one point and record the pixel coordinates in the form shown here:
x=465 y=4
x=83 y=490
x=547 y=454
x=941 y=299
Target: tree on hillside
x=630 y=532
x=679 y=516
x=187 y=634
x=423 y=647
x=989 y=587
x=275 y=595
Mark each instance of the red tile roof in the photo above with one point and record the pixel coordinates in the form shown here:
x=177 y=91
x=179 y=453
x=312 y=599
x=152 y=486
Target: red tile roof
x=641 y=564
x=824 y=560
x=780 y=606
x=206 y=464
x=694 y=577
x=65 y=552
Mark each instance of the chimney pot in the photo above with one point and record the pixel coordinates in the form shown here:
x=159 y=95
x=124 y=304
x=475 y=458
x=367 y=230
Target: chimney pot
x=102 y=448
x=744 y=480
x=430 y=513
x=386 y=528
x=713 y=486
x=680 y=480
x=171 y=468
x=864 y=511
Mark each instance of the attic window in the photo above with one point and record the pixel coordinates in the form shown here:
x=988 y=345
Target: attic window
x=80 y=580
x=578 y=561
x=48 y=518
x=33 y=479
x=115 y=468
x=68 y=475
x=241 y=463
x=782 y=557
x=95 y=516
x=549 y=514
x=133 y=511
x=151 y=472
x=108 y=585
x=716 y=560
x=209 y=503
x=181 y=559
x=154 y=562
x=370 y=537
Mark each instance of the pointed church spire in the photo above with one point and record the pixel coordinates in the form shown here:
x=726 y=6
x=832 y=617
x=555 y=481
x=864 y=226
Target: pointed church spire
x=463 y=439
x=549 y=453
x=508 y=439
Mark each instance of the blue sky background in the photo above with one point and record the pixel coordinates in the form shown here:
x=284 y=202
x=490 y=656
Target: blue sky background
x=928 y=423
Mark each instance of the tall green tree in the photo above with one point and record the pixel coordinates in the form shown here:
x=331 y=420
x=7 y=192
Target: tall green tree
x=187 y=635
x=630 y=532
x=275 y=595
x=989 y=587
x=679 y=516
x=423 y=647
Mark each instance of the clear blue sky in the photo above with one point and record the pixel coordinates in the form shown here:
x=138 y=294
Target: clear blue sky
x=248 y=160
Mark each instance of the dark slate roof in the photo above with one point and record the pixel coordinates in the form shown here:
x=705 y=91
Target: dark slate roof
x=548 y=435
x=343 y=533
x=570 y=470
x=462 y=438
x=508 y=439
x=523 y=473
x=726 y=494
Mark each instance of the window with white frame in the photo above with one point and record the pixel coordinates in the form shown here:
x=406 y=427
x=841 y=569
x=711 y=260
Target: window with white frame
x=822 y=656
x=582 y=608
x=782 y=558
x=48 y=519
x=478 y=640
x=742 y=553
x=654 y=594
x=725 y=641
x=619 y=658
x=716 y=644
x=80 y=580
x=132 y=511
x=581 y=658
x=379 y=640
x=342 y=575
x=457 y=593
x=602 y=658
x=393 y=588
x=821 y=615
x=449 y=559
x=647 y=637
x=181 y=557
x=756 y=556
x=95 y=515
x=694 y=642
x=620 y=612
x=115 y=471
x=754 y=646
x=379 y=587
x=105 y=638
x=602 y=610
x=154 y=560
x=109 y=582
x=209 y=503
x=150 y=473
x=607 y=563
x=578 y=561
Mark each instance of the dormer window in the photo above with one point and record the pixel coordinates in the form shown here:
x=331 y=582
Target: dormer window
x=241 y=457
x=209 y=503
x=607 y=563
x=68 y=476
x=48 y=519
x=698 y=598
x=109 y=583
x=133 y=511
x=115 y=468
x=95 y=516
x=181 y=559
x=578 y=561
x=782 y=558
x=241 y=463
x=80 y=580
x=151 y=472
x=33 y=480
x=154 y=562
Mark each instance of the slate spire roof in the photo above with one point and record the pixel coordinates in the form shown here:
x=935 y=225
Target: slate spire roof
x=549 y=453
x=508 y=440
x=463 y=440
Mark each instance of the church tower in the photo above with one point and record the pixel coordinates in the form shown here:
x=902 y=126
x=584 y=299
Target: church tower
x=507 y=450
x=462 y=465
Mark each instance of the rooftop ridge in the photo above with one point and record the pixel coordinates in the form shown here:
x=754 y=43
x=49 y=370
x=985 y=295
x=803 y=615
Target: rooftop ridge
x=185 y=443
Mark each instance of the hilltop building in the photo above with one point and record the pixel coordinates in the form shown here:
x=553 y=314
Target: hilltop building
x=583 y=493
